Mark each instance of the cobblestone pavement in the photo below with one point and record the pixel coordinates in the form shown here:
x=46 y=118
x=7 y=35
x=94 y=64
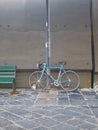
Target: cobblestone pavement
x=51 y=110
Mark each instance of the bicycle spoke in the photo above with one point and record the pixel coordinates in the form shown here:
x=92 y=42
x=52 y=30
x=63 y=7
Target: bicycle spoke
x=33 y=80
x=70 y=80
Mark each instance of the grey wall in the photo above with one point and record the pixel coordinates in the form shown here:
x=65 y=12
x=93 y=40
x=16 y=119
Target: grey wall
x=95 y=21
x=71 y=36
x=22 y=32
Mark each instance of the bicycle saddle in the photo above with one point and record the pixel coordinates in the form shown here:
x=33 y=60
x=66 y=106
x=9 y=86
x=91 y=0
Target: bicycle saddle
x=62 y=62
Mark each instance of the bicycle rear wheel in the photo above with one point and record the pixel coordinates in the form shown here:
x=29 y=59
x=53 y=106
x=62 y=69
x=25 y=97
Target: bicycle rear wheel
x=70 y=80
x=34 y=81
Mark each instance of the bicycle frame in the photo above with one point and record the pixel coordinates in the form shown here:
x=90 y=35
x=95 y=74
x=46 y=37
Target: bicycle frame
x=45 y=69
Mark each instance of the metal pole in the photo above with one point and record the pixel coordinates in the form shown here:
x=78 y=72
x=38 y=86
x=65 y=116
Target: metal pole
x=92 y=44
x=48 y=37
x=47 y=32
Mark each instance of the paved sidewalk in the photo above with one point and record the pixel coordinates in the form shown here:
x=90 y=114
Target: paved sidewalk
x=51 y=110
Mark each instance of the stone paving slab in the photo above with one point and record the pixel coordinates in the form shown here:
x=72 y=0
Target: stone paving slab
x=48 y=110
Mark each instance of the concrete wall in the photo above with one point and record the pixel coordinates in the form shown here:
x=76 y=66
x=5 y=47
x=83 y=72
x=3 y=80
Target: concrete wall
x=22 y=33
x=95 y=21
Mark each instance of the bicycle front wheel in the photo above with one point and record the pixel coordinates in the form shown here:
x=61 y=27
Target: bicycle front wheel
x=35 y=82
x=70 y=80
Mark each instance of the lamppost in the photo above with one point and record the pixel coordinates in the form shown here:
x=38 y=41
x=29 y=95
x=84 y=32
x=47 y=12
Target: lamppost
x=47 y=44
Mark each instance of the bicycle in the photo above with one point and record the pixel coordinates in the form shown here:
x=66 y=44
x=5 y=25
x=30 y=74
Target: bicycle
x=68 y=79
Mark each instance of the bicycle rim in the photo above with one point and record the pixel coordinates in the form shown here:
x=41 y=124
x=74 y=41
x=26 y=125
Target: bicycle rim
x=34 y=82
x=70 y=80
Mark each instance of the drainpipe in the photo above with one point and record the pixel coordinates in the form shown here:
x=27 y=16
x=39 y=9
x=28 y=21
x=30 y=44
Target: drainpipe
x=92 y=44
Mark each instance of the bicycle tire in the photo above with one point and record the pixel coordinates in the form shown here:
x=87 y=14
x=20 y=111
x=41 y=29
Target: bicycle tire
x=73 y=83
x=34 y=83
